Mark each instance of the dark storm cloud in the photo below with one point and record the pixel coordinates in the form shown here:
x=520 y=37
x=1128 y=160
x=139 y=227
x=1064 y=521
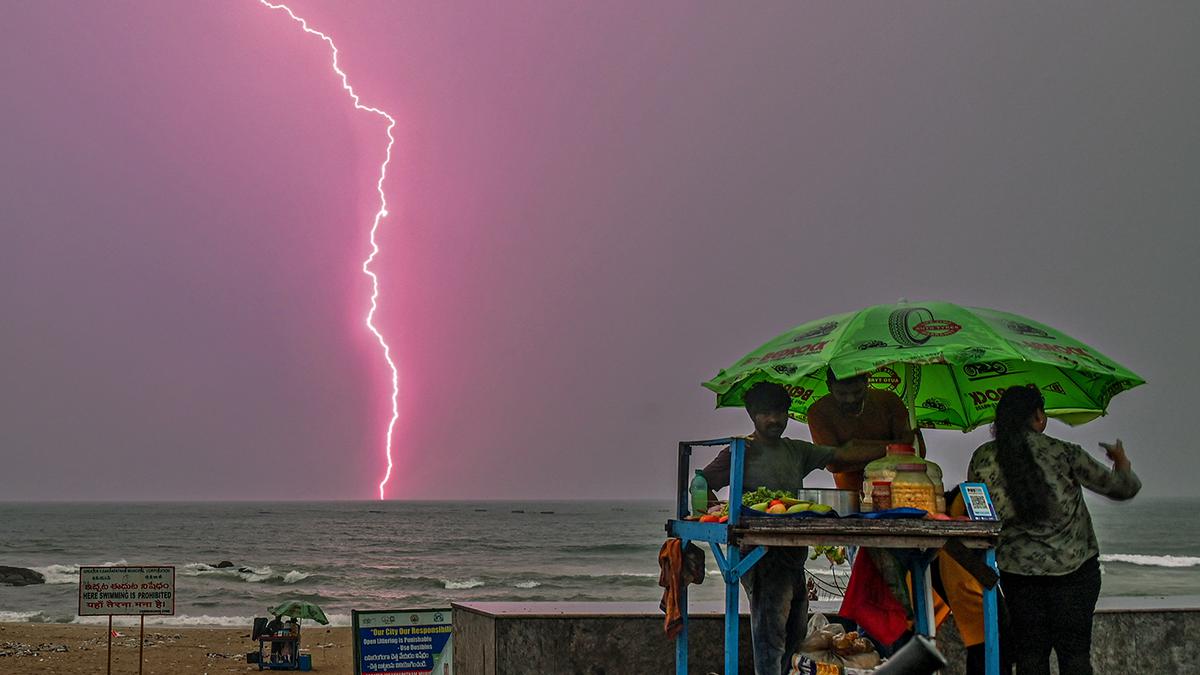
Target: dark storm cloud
x=595 y=207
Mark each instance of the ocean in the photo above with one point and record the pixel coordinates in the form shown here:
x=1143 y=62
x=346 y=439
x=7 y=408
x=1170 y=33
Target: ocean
x=409 y=555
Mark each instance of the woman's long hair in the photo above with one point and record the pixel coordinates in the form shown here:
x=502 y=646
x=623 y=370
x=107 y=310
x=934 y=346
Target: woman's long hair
x=1023 y=477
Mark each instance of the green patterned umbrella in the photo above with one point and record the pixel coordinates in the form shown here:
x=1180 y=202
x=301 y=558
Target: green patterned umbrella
x=949 y=363
x=300 y=609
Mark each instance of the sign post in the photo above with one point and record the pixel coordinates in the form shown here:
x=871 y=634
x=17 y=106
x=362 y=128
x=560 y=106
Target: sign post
x=402 y=642
x=127 y=591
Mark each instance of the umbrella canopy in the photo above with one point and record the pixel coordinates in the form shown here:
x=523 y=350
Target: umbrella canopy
x=300 y=609
x=949 y=363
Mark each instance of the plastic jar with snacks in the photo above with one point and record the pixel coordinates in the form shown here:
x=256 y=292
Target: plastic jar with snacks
x=885 y=468
x=912 y=488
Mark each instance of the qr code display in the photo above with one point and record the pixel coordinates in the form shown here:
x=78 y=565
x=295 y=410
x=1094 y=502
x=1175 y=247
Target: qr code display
x=979 y=503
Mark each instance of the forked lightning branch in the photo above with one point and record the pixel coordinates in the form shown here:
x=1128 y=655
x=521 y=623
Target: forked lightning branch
x=379 y=215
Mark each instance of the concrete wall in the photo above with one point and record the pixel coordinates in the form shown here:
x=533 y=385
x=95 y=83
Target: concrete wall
x=585 y=639
x=1131 y=635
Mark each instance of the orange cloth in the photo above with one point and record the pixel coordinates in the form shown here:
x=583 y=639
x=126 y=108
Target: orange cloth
x=963 y=592
x=883 y=418
x=678 y=566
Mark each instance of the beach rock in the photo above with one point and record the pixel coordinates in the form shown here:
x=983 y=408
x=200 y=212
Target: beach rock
x=19 y=576
x=225 y=564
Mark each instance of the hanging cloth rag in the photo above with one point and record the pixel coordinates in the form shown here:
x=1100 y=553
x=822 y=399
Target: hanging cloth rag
x=870 y=602
x=678 y=566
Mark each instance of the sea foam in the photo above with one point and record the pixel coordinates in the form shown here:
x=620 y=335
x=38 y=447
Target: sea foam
x=67 y=574
x=1152 y=560
x=246 y=573
x=200 y=620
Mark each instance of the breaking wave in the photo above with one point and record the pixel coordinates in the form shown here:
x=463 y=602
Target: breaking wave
x=204 y=620
x=246 y=573
x=1152 y=560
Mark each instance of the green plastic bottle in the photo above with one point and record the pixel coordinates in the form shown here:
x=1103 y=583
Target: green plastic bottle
x=699 y=490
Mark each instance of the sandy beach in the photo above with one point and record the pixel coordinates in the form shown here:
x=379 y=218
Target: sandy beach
x=71 y=649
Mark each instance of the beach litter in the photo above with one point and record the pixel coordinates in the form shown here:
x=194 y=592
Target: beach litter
x=19 y=649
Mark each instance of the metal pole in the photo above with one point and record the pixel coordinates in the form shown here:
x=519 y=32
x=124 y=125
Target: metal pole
x=733 y=554
x=110 y=644
x=681 y=512
x=681 y=641
x=681 y=487
x=141 y=643
x=910 y=402
x=732 y=614
x=991 y=614
x=922 y=595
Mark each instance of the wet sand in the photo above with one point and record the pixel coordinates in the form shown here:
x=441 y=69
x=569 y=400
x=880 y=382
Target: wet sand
x=70 y=649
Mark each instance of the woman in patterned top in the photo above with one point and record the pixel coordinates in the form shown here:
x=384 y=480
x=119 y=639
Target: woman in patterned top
x=1048 y=555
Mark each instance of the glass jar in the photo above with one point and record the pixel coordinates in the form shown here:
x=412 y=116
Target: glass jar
x=912 y=488
x=881 y=495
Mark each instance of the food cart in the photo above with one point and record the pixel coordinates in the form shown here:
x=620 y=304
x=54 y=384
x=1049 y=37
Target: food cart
x=921 y=539
x=289 y=654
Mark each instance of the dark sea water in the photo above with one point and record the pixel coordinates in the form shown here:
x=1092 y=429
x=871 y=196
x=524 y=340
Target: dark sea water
x=402 y=555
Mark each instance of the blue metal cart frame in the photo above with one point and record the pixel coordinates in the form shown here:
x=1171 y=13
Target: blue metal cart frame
x=920 y=544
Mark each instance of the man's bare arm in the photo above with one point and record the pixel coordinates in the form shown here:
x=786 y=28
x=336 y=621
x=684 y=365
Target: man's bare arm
x=855 y=455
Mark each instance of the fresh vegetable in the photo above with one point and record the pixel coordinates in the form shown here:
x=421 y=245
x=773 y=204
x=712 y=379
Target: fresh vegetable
x=710 y=518
x=761 y=495
x=762 y=498
x=834 y=554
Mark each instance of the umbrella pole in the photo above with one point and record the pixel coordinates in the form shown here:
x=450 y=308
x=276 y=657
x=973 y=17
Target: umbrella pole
x=910 y=402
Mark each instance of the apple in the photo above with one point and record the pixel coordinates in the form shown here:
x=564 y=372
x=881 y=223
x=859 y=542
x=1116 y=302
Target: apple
x=777 y=509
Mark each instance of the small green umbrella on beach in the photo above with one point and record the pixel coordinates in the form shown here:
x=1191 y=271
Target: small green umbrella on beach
x=300 y=609
x=949 y=363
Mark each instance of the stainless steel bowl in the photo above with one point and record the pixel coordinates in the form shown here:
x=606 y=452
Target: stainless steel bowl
x=843 y=501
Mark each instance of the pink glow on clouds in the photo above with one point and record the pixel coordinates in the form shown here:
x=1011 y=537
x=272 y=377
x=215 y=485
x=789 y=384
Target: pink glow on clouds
x=379 y=216
x=601 y=205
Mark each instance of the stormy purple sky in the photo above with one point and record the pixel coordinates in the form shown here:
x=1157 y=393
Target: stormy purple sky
x=595 y=206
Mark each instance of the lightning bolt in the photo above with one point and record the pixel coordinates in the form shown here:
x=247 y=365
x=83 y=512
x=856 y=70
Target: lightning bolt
x=379 y=216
